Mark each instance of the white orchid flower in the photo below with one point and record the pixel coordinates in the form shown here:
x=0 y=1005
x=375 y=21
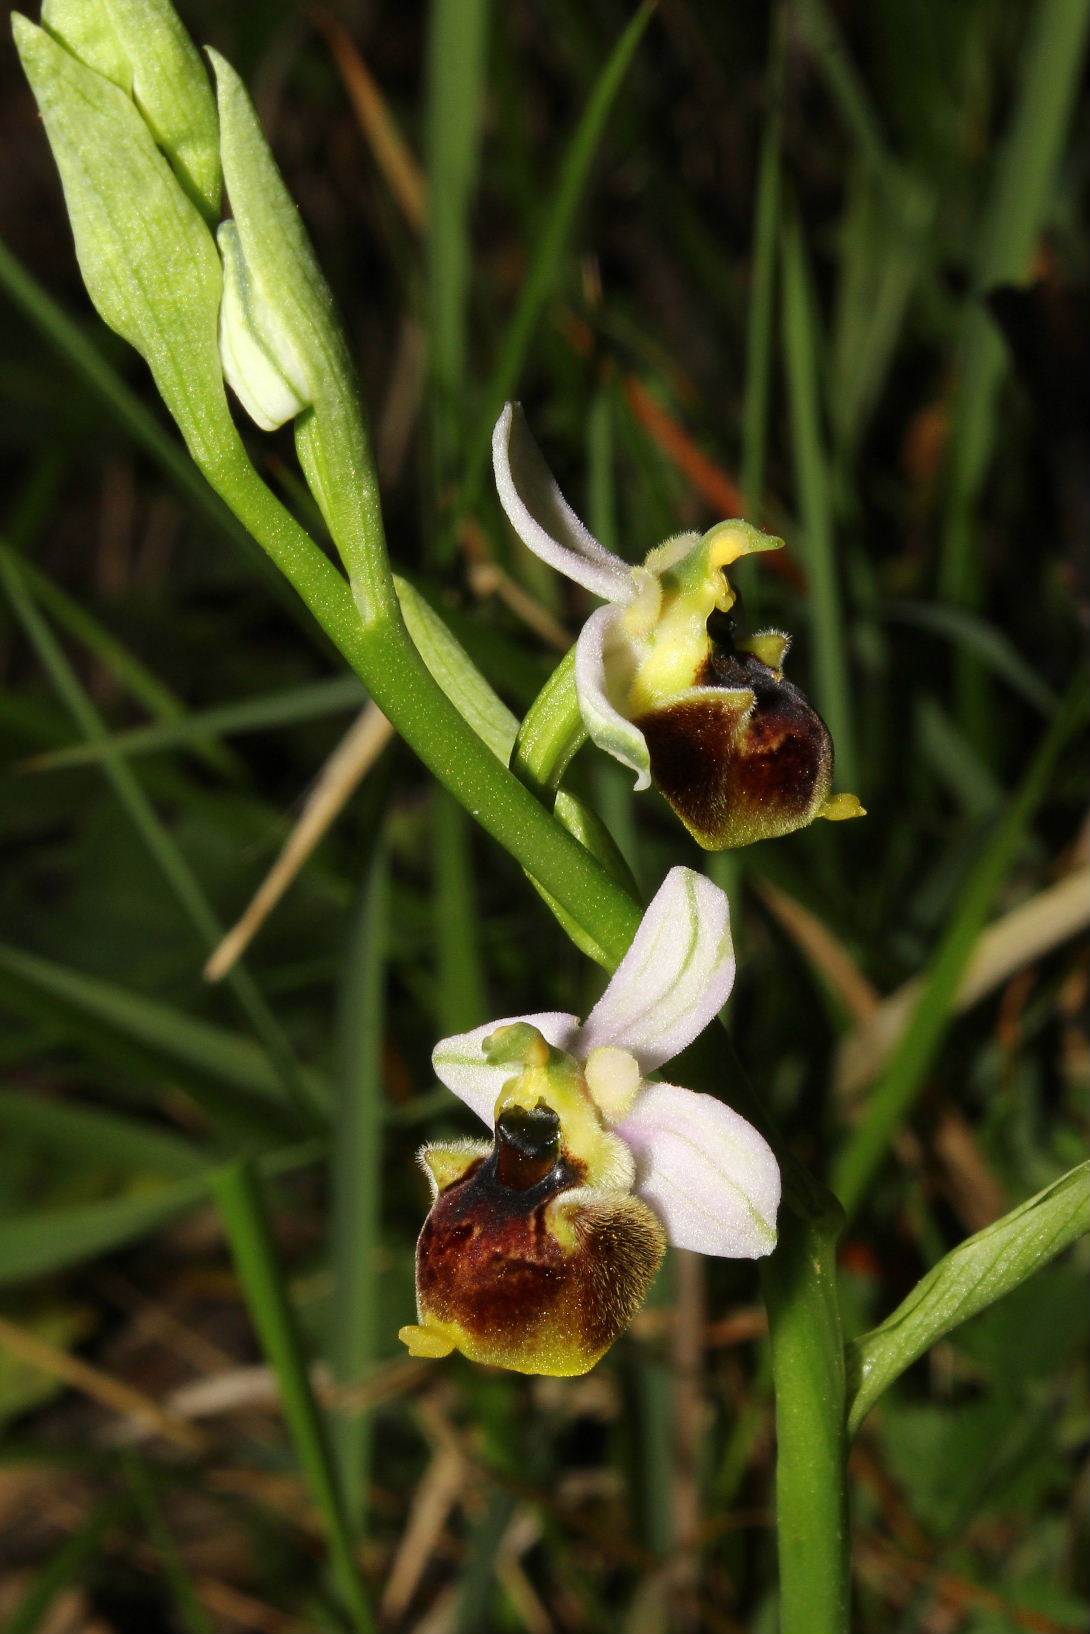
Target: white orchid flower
x=542 y=1243
x=736 y=749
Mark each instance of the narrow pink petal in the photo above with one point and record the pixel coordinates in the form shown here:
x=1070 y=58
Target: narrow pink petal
x=460 y=1063
x=607 y=727
x=542 y=517
x=709 y=1176
x=674 y=978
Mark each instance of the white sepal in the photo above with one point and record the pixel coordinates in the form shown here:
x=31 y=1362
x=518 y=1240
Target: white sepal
x=542 y=517
x=605 y=725
x=674 y=978
x=709 y=1176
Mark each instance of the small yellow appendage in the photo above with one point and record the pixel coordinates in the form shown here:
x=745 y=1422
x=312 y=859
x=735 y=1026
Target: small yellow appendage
x=842 y=806
x=429 y=1342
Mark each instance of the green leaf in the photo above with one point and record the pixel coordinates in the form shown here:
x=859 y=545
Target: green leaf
x=978 y=1272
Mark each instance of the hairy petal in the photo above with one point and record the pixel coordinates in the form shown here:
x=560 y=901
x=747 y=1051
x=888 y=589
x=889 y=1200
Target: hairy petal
x=542 y=517
x=460 y=1062
x=606 y=726
x=708 y=1174
x=674 y=978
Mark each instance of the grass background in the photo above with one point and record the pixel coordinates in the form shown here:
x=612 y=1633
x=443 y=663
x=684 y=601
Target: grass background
x=826 y=265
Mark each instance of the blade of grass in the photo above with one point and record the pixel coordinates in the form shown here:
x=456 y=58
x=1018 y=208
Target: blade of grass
x=475 y=1597
x=154 y=834
x=87 y=362
x=558 y=219
x=191 y=1614
x=244 y=1215
x=844 y=82
x=42 y=1241
x=65 y=1567
x=271 y=710
x=801 y=340
x=96 y=1136
x=969 y=633
x=457 y=42
x=115 y=657
x=891 y=1100
x=356 y=1162
x=462 y=999
x=762 y=301
x=883 y=245
x=1014 y=217
x=176 y=1039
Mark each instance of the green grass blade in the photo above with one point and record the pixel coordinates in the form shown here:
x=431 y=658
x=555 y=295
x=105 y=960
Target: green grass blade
x=762 y=297
x=1014 y=218
x=65 y=1567
x=85 y=360
x=243 y=1208
x=40 y=1242
x=462 y=998
x=844 y=83
x=154 y=834
x=457 y=42
x=96 y=1136
x=270 y=711
x=213 y=1052
x=191 y=1614
x=892 y=1097
x=557 y=223
x=987 y=644
x=357 y=1180
x=832 y=687
x=114 y=656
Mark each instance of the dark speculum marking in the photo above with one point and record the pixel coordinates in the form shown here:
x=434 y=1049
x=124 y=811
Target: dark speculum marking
x=527 y=1145
x=485 y=1257
x=733 y=778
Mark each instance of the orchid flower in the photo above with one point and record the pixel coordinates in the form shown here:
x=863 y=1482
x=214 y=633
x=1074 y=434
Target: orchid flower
x=664 y=683
x=541 y=1244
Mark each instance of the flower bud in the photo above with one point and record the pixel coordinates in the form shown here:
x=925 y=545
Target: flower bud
x=146 y=253
x=142 y=47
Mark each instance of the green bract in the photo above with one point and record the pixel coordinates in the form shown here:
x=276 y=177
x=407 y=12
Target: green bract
x=147 y=256
x=283 y=347
x=142 y=46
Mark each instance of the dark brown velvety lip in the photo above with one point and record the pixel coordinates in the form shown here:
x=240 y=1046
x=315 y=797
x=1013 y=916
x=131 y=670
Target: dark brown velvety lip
x=487 y=1261
x=732 y=777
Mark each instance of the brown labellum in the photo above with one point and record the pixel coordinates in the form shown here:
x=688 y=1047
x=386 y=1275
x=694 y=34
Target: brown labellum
x=526 y=1267
x=749 y=758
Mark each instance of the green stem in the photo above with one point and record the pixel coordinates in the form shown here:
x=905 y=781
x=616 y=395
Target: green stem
x=383 y=655
x=800 y=1290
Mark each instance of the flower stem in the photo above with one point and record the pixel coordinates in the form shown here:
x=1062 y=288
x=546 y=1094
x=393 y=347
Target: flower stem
x=384 y=657
x=800 y=1291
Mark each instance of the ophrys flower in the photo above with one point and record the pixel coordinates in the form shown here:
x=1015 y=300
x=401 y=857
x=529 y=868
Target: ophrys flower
x=666 y=683
x=541 y=1244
